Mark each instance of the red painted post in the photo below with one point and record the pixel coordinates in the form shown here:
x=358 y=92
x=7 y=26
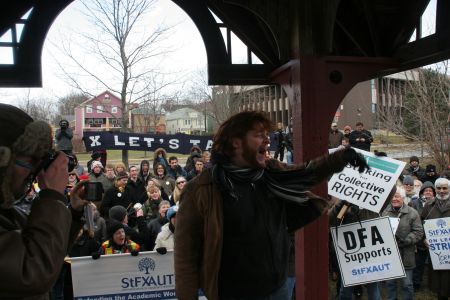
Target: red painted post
x=315 y=87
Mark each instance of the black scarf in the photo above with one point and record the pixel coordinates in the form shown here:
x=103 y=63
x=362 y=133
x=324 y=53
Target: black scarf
x=291 y=185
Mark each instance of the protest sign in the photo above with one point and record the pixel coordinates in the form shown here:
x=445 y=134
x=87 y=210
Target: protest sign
x=123 y=276
x=367 y=252
x=437 y=232
x=370 y=188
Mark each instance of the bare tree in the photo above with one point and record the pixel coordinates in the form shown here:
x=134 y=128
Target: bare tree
x=38 y=108
x=67 y=103
x=422 y=114
x=217 y=102
x=127 y=52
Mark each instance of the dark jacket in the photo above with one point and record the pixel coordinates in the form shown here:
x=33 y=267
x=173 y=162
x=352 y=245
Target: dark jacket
x=114 y=197
x=364 y=134
x=137 y=191
x=144 y=177
x=154 y=227
x=418 y=172
x=199 y=231
x=335 y=138
x=64 y=139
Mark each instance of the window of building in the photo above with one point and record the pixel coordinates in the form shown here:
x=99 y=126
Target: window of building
x=99 y=109
x=88 y=109
x=114 y=109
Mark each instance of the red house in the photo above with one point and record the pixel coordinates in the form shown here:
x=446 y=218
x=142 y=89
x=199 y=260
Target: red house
x=103 y=112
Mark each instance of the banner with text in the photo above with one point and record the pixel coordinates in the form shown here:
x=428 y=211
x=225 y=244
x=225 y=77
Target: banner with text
x=367 y=252
x=176 y=143
x=370 y=188
x=437 y=232
x=123 y=276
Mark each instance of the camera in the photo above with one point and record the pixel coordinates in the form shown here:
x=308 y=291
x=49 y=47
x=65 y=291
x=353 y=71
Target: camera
x=93 y=191
x=51 y=156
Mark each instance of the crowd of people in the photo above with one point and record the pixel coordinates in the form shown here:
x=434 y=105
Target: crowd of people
x=420 y=194
x=240 y=208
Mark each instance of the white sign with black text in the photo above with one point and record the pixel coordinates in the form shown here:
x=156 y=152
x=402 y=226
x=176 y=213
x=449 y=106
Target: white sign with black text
x=367 y=252
x=123 y=276
x=370 y=188
x=437 y=232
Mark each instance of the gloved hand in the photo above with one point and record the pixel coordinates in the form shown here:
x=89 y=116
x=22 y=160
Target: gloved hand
x=355 y=159
x=134 y=252
x=95 y=255
x=161 y=250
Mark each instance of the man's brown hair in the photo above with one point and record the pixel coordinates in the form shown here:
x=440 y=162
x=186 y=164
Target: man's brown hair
x=236 y=126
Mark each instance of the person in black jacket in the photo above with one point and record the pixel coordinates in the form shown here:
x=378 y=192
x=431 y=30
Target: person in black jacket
x=136 y=186
x=116 y=195
x=361 y=138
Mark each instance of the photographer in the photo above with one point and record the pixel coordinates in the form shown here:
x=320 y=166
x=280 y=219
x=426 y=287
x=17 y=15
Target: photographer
x=33 y=247
x=63 y=137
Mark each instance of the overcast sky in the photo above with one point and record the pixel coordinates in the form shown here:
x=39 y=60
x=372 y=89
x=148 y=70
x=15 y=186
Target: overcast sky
x=189 y=53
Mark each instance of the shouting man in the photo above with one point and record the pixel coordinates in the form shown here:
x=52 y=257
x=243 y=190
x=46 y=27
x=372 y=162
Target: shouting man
x=232 y=220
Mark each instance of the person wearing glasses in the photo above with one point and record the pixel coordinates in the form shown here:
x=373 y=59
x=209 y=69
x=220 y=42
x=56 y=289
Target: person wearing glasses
x=34 y=246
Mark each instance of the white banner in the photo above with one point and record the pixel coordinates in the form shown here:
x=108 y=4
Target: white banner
x=370 y=188
x=437 y=232
x=367 y=252
x=123 y=276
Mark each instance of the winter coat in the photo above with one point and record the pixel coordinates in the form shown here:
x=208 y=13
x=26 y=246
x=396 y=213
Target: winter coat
x=154 y=227
x=440 y=279
x=142 y=177
x=167 y=184
x=335 y=138
x=162 y=160
x=165 y=238
x=100 y=178
x=137 y=191
x=199 y=229
x=366 y=135
x=418 y=171
x=33 y=248
x=64 y=139
x=409 y=232
x=113 y=197
x=108 y=248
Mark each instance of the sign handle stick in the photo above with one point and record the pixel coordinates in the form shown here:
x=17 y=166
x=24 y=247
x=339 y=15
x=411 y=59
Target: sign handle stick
x=342 y=212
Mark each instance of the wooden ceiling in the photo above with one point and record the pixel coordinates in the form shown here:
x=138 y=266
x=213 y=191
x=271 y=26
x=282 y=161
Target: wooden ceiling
x=275 y=30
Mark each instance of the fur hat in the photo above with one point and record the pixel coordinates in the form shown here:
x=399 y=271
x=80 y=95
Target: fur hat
x=20 y=135
x=117 y=213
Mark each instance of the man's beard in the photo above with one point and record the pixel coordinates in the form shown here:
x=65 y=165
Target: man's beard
x=445 y=197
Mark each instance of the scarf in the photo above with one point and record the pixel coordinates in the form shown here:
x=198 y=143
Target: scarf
x=291 y=185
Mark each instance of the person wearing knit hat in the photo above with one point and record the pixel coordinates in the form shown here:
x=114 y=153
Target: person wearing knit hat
x=414 y=169
x=165 y=238
x=28 y=267
x=118 y=213
x=408 y=186
x=118 y=241
x=97 y=175
x=430 y=174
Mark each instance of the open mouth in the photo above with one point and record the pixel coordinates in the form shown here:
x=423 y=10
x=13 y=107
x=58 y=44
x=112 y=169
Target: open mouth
x=262 y=150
